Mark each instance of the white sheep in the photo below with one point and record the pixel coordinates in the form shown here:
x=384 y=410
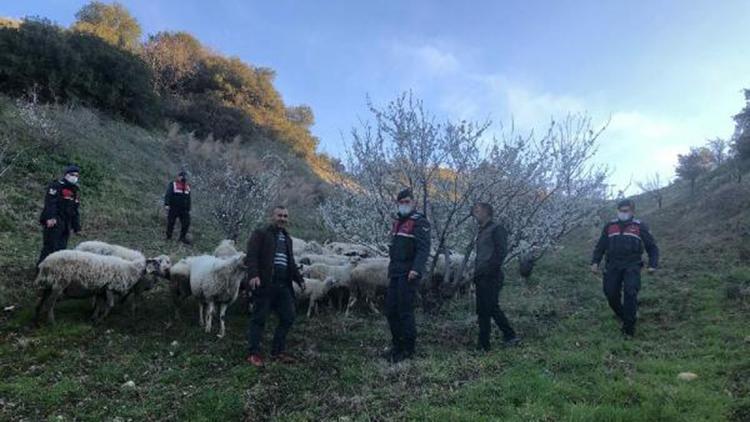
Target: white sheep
x=309 y=259
x=315 y=290
x=79 y=273
x=147 y=282
x=215 y=281
x=103 y=248
x=226 y=249
x=367 y=278
x=349 y=249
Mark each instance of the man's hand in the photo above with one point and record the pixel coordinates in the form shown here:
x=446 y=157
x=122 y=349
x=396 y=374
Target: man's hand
x=166 y=207
x=51 y=223
x=254 y=282
x=651 y=270
x=595 y=269
x=413 y=275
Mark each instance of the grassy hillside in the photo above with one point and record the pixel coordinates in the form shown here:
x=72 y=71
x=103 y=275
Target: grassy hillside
x=125 y=170
x=573 y=365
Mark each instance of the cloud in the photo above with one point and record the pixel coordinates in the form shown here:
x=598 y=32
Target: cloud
x=636 y=143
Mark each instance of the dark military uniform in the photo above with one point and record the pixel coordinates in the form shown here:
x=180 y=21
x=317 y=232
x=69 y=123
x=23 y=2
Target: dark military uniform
x=492 y=247
x=60 y=203
x=177 y=199
x=409 y=250
x=624 y=243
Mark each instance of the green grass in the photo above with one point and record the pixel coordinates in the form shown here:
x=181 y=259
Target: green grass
x=573 y=365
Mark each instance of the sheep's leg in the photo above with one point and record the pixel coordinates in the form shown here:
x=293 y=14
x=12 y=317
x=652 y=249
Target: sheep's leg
x=176 y=301
x=133 y=300
x=109 y=303
x=209 y=316
x=51 y=305
x=201 y=321
x=222 y=312
x=352 y=301
x=372 y=306
x=43 y=297
x=310 y=306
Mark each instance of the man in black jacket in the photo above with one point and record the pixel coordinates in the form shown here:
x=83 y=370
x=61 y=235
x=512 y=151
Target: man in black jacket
x=491 y=249
x=623 y=240
x=409 y=250
x=60 y=213
x=177 y=204
x=271 y=269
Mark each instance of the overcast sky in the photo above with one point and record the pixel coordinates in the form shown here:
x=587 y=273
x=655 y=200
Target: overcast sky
x=669 y=74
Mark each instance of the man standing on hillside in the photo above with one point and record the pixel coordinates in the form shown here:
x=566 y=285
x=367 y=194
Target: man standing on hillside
x=177 y=204
x=271 y=269
x=60 y=213
x=623 y=240
x=491 y=247
x=409 y=250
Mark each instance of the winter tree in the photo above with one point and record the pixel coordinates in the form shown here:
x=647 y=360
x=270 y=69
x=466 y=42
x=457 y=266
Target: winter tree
x=653 y=186
x=235 y=190
x=542 y=187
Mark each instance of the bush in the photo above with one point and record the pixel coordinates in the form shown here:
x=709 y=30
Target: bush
x=56 y=65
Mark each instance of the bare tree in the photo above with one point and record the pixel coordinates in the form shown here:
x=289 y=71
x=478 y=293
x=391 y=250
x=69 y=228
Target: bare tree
x=653 y=186
x=234 y=188
x=542 y=187
x=40 y=129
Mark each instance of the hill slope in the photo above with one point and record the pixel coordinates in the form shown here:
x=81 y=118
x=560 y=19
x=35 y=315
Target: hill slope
x=573 y=365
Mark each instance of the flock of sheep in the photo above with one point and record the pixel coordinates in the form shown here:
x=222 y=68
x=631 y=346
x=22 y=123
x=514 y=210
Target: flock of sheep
x=111 y=274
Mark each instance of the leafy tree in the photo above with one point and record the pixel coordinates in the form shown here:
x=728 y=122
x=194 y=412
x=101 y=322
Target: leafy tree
x=719 y=149
x=694 y=164
x=110 y=22
x=301 y=115
x=741 y=144
x=63 y=66
x=175 y=58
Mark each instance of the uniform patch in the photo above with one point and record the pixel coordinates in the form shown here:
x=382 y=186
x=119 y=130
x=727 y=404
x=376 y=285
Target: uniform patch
x=53 y=191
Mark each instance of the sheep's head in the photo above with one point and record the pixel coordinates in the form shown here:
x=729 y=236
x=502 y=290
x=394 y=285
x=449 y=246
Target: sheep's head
x=330 y=282
x=159 y=266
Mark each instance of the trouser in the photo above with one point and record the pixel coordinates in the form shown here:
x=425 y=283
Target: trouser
x=488 y=308
x=399 y=308
x=172 y=216
x=54 y=238
x=279 y=298
x=627 y=280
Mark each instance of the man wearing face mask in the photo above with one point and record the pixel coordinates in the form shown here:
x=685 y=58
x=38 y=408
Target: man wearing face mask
x=491 y=247
x=177 y=204
x=408 y=252
x=624 y=240
x=60 y=213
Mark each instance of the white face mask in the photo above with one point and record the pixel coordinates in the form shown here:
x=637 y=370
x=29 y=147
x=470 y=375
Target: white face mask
x=624 y=216
x=72 y=179
x=404 y=209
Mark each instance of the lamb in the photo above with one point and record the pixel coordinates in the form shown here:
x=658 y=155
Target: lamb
x=315 y=290
x=342 y=274
x=79 y=274
x=367 y=278
x=215 y=281
x=226 y=249
x=147 y=282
